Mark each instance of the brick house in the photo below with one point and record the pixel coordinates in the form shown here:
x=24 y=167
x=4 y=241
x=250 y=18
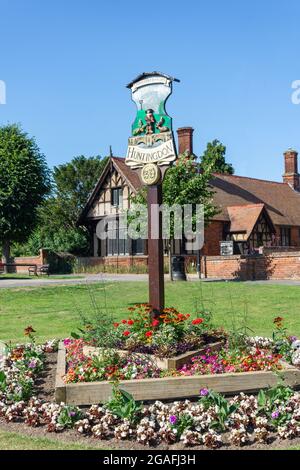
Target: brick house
x=253 y=213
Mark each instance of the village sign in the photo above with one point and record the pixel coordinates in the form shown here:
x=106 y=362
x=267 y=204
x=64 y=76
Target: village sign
x=151 y=145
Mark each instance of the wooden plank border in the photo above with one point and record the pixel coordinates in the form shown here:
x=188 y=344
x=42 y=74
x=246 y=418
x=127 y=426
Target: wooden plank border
x=60 y=386
x=87 y=393
x=165 y=363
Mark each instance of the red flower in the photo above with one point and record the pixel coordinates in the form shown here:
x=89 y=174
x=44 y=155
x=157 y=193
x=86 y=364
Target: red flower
x=130 y=322
x=124 y=322
x=197 y=321
x=116 y=325
x=126 y=333
x=29 y=330
x=149 y=334
x=155 y=323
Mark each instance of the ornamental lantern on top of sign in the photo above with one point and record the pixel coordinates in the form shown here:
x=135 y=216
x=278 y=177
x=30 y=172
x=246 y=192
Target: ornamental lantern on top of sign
x=151 y=146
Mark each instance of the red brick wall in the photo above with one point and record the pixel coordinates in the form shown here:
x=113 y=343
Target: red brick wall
x=295 y=238
x=213 y=234
x=273 y=266
x=38 y=260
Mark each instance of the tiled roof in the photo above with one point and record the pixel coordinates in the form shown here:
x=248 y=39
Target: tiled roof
x=131 y=176
x=244 y=218
x=280 y=200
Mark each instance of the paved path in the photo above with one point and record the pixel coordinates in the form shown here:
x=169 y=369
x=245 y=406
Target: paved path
x=72 y=279
x=91 y=278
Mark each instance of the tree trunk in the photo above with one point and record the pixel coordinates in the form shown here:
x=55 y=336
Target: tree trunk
x=6 y=255
x=170 y=263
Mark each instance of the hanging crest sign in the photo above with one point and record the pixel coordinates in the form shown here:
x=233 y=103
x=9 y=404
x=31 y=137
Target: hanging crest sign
x=152 y=139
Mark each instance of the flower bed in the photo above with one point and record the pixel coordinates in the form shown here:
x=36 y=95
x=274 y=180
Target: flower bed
x=88 y=364
x=167 y=363
x=244 y=363
x=19 y=367
x=211 y=420
x=167 y=386
x=170 y=335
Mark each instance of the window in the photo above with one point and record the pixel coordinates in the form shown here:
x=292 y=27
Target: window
x=285 y=236
x=116 y=197
x=138 y=246
x=117 y=241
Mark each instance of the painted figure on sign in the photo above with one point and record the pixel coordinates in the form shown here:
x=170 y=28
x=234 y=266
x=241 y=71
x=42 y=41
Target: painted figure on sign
x=150 y=122
x=160 y=126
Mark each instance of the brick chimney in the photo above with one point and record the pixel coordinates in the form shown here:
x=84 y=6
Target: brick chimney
x=185 y=140
x=291 y=175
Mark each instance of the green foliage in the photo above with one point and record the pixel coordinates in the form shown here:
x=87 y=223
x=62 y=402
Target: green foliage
x=123 y=405
x=280 y=337
x=106 y=358
x=184 y=183
x=183 y=422
x=223 y=408
x=2 y=381
x=268 y=399
x=239 y=329
x=25 y=389
x=73 y=182
x=97 y=326
x=215 y=155
x=25 y=181
x=68 y=416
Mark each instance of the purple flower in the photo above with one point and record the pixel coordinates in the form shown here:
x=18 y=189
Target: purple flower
x=173 y=419
x=32 y=364
x=67 y=341
x=72 y=414
x=204 y=392
x=293 y=338
x=275 y=414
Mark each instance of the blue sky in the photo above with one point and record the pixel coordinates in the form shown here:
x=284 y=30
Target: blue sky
x=66 y=64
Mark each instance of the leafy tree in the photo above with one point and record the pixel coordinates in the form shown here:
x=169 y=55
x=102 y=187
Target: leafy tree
x=24 y=184
x=184 y=183
x=74 y=182
x=57 y=230
x=215 y=152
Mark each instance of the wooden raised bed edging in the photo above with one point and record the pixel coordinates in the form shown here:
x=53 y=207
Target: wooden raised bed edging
x=60 y=385
x=167 y=363
x=87 y=393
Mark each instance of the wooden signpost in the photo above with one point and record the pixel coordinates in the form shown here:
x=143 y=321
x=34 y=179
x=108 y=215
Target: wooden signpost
x=155 y=251
x=150 y=151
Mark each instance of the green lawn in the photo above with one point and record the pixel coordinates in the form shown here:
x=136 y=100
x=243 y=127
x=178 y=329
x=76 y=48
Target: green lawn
x=55 y=311
x=16 y=441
